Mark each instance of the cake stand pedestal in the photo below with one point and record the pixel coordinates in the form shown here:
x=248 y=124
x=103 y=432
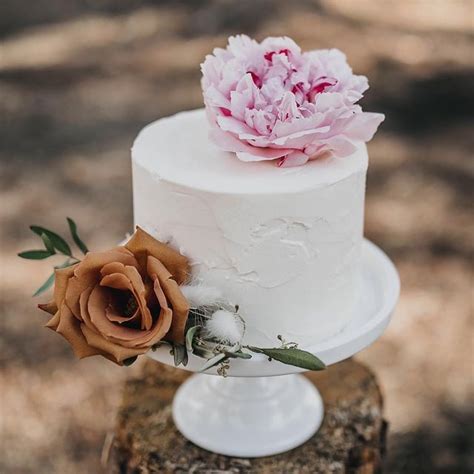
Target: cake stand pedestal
x=265 y=408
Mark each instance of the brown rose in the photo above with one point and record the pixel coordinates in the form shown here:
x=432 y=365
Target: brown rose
x=120 y=302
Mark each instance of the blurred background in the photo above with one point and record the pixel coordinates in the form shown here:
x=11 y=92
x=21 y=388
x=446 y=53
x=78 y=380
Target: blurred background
x=80 y=78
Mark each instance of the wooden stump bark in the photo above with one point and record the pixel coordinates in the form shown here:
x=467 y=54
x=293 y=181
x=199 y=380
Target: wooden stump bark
x=351 y=439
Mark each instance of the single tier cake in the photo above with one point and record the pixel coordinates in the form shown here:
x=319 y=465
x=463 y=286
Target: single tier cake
x=282 y=243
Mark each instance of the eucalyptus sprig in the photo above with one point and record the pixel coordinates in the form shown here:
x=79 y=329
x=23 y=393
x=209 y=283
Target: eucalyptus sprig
x=54 y=244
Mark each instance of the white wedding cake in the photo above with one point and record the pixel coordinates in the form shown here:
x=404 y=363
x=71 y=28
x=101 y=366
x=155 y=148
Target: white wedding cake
x=282 y=243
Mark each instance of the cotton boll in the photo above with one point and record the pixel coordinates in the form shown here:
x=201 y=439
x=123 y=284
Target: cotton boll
x=200 y=295
x=225 y=327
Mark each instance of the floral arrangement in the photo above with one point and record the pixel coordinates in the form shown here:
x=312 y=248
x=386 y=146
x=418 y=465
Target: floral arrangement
x=271 y=101
x=122 y=302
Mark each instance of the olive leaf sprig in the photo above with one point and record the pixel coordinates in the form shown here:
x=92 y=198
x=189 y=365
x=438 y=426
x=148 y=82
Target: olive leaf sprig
x=54 y=244
x=218 y=354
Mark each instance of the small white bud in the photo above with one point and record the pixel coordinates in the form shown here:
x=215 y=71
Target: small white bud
x=225 y=326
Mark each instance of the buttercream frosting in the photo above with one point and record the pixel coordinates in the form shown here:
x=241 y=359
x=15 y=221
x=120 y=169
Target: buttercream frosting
x=282 y=243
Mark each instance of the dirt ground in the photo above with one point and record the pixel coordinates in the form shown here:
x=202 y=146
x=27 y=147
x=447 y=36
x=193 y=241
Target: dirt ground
x=77 y=82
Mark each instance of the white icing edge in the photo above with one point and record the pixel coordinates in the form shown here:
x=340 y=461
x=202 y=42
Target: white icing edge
x=184 y=137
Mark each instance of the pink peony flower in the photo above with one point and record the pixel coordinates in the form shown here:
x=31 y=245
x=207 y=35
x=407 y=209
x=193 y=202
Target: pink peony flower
x=269 y=101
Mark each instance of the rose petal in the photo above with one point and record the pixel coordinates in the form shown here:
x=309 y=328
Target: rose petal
x=73 y=293
x=69 y=328
x=128 y=278
x=115 y=317
x=50 y=307
x=83 y=305
x=180 y=308
x=119 y=334
x=175 y=298
x=54 y=321
x=93 y=262
x=87 y=273
x=139 y=291
x=142 y=244
x=96 y=308
x=117 y=281
x=117 y=352
x=61 y=279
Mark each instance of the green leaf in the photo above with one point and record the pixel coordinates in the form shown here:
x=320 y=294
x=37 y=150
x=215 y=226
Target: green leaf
x=180 y=354
x=202 y=351
x=292 y=356
x=35 y=254
x=213 y=362
x=73 y=228
x=190 y=337
x=239 y=355
x=128 y=362
x=58 y=242
x=159 y=344
x=47 y=243
x=45 y=286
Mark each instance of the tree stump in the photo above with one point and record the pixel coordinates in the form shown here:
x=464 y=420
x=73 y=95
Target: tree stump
x=351 y=438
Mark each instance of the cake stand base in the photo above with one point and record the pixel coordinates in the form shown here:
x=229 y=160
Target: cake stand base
x=248 y=416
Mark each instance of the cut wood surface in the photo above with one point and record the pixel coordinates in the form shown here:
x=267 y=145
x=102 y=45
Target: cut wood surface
x=351 y=439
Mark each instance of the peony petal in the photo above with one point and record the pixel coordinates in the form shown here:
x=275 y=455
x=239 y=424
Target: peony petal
x=364 y=126
x=142 y=244
x=230 y=124
x=340 y=146
x=257 y=157
x=301 y=134
x=216 y=98
x=244 y=151
x=283 y=101
x=297 y=158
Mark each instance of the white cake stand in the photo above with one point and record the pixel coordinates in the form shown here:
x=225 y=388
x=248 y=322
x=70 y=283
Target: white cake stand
x=253 y=414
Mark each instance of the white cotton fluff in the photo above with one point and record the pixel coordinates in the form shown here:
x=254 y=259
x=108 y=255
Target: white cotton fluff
x=200 y=295
x=225 y=327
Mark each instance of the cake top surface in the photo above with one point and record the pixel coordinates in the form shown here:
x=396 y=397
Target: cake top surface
x=177 y=149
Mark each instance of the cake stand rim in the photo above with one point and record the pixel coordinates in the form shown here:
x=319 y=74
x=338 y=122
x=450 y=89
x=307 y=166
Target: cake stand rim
x=336 y=348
